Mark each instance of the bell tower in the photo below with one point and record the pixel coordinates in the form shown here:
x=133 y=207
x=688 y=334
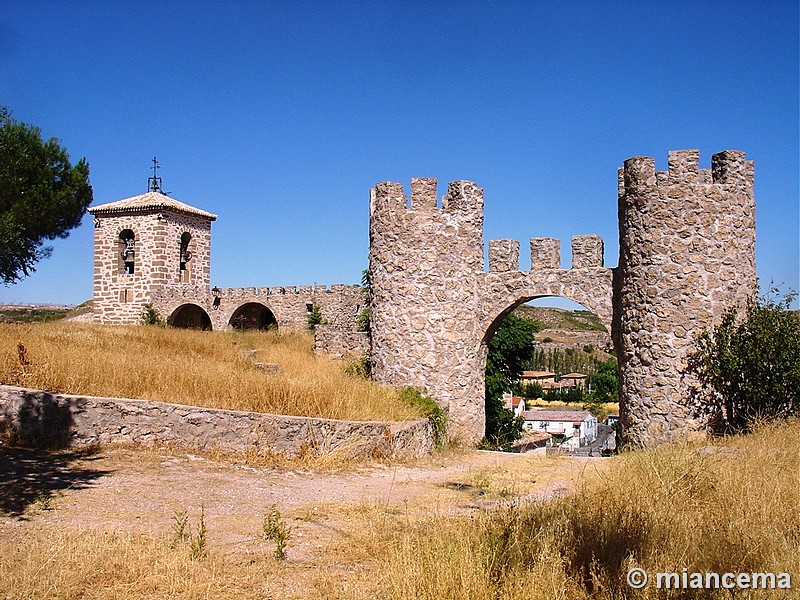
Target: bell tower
x=142 y=243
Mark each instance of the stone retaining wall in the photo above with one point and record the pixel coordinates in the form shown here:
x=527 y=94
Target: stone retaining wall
x=37 y=418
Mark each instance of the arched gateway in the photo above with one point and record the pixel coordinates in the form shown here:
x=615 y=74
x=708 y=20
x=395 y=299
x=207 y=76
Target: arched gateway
x=686 y=253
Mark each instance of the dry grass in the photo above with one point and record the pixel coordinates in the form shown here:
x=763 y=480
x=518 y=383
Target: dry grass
x=195 y=368
x=731 y=507
x=736 y=509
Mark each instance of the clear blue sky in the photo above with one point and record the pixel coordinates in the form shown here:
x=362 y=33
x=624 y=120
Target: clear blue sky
x=280 y=116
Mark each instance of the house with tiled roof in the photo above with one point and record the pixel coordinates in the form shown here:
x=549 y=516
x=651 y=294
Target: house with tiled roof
x=567 y=428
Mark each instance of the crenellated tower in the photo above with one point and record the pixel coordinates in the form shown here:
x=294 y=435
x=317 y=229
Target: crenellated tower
x=424 y=265
x=687 y=253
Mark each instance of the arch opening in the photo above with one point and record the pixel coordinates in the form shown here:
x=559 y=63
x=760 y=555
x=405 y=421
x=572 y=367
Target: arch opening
x=190 y=316
x=184 y=272
x=253 y=316
x=551 y=367
x=127 y=252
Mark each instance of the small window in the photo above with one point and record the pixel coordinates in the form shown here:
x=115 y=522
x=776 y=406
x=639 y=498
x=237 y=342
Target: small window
x=127 y=252
x=309 y=308
x=125 y=296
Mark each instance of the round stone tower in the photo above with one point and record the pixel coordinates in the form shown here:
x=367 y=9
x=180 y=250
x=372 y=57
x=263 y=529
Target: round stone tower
x=424 y=265
x=687 y=253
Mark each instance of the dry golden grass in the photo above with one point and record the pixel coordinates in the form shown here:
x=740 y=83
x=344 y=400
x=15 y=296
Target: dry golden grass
x=190 y=367
x=732 y=509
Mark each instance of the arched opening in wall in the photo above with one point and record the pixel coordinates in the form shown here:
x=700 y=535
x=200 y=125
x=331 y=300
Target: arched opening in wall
x=551 y=378
x=190 y=316
x=253 y=316
x=184 y=272
x=126 y=245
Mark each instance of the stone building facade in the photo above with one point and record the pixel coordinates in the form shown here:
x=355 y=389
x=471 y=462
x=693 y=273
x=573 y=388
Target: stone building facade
x=687 y=239
x=153 y=249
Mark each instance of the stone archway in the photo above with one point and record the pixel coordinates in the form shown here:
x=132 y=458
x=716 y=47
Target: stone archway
x=190 y=316
x=686 y=253
x=253 y=315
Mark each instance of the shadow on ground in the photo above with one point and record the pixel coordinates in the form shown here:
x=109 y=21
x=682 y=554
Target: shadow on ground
x=35 y=476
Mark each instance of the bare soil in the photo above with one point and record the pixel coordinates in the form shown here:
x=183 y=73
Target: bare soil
x=128 y=489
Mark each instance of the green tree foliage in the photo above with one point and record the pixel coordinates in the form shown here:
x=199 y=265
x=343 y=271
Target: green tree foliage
x=510 y=350
x=749 y=365
x=42 y=196
x=363 y=322
x=314 y=317
x=605 y=382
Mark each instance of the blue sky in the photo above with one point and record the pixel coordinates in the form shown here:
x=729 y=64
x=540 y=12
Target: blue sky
x=280 y=116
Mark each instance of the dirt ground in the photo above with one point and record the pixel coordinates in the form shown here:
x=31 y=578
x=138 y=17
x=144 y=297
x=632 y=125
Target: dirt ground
x=128 y=489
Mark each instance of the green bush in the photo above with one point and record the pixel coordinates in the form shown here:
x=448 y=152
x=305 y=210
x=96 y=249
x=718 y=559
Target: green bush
x=150 y=316
x=749 y=365
x=430 y=409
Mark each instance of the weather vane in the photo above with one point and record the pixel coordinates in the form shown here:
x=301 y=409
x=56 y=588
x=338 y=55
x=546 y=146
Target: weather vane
x=154 y=182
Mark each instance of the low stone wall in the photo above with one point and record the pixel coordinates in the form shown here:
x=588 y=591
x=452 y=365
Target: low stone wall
x=37 y=418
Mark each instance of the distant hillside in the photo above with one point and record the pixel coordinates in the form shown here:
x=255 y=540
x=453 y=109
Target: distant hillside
x=562 y=329
x=37 y=313
x=561 y=319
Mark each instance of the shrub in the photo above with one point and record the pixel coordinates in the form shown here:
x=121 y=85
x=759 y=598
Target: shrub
x=750 y=365
x=150 y=316
x=429 y=408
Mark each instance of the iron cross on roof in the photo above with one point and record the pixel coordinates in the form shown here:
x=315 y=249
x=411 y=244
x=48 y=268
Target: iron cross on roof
x=154 y=182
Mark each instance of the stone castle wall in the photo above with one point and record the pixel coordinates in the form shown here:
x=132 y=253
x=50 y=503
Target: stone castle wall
x=434 y=308
x=340 y=305
x=687 y=253
x=37 y=418
x=687 y=239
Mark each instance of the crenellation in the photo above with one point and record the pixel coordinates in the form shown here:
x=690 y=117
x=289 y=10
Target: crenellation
x=683 y=166
x=463 y=197
x=639 y=172
x=587 y=251
x=423 y=193
x=545 y=253
x=389 y=195
x=503 y=255
x=731 y=168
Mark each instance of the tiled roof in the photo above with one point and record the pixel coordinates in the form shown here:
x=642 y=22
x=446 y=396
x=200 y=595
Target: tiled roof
x=537 y=374
x=574 y=376
x=555 y=415
x=148 y=201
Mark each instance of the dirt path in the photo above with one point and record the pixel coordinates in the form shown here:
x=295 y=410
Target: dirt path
x=120 y=489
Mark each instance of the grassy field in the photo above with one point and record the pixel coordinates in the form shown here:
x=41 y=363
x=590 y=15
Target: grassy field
x=189 y=367
x=727 y=507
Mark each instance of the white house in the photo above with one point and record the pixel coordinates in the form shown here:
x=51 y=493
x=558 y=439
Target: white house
x=515 y=404
x=569 y=428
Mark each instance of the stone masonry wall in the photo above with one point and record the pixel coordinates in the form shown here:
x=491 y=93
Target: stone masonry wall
x=423 y=265
x=119 y=297
x=687 y=238
x=37 y=418
x=341 y=343
x=340 y=305
x=434 y=308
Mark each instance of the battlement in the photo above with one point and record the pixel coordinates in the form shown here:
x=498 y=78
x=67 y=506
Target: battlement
x=303 y=290
x=462 y=196
x=587 y=252
x=727 y=168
